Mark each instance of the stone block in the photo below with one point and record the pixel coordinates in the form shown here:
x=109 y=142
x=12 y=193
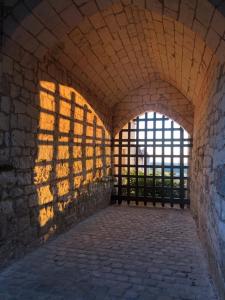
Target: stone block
x=105 y=34
x=71 y=16
x=218 y=23
x=204 y=12
x=102 y=4
x=4 y=154
x=30 y=140
x=5 y=104
x=59 y=5
x=97 y=21
x=23 y=223
x=33 y=200
x=222 y=210
x=208 y=162
x=187 y=12
x=15 y=192
x=19 y=107
x=47 y=38
x=18 y=138
x=4 y=122
x=24 y=178
x=44 y=12
x=221 y=226
x=122 y=19
x=20 y=11
x=9 y=25
x=1 y=138
x=40 y=51
x=6 y=207
x=3 y=227
x=16 y=151
x=89 y=8
x=220 y=180
x=221 y=51
x=7 y=64
x=32 y=24
x=14 y=90
x=18 y=78
x=7 y=179
x=25 y=39
x=24 y=122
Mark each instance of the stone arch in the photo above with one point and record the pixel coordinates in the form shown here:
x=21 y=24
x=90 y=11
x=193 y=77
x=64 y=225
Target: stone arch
x=156 y=96
x=44 y=36
x=205 y=18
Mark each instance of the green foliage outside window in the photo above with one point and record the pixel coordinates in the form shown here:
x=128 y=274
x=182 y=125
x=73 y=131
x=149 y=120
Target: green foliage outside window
x=162 y=189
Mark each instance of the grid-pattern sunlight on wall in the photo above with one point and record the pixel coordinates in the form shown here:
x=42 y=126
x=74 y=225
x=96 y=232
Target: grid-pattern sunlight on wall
x=73 y=148
x=151 y=161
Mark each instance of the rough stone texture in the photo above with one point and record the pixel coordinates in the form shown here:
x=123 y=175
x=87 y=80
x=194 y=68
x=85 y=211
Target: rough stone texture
x=54 y=152
x=108 y=50
x=157 y=96
x=207 y=175
x=116 y=48
x=119 y=253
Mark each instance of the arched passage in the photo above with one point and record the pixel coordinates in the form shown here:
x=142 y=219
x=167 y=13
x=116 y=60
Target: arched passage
x=106 y=50
x=157 y=96
x=109 y=40
x=151 y=161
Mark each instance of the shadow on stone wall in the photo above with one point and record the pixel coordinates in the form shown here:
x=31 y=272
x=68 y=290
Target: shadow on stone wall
x=64 y=176
x=73 y=153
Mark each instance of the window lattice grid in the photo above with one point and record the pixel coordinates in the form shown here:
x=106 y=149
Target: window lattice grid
x=151 y=161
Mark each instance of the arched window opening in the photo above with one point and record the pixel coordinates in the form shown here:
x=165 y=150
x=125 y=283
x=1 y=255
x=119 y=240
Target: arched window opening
x=151 y=161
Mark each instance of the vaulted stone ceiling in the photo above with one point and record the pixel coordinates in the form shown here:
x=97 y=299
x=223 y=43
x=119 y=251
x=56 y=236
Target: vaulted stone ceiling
x=113 y=49
x=124 y=47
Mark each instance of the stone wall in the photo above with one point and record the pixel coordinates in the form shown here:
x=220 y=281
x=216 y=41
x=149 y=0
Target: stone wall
x=159 y=96
x=55 y=160
x=207 y=175
x=107 y=50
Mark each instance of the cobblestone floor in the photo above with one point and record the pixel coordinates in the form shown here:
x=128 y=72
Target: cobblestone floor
x=119 y=253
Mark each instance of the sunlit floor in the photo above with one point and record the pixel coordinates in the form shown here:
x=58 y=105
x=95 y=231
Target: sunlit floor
x=119 y=253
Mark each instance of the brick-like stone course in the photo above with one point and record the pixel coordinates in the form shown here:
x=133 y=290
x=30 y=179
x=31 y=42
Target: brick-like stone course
x=137 y=40
x=157 y=96
x=207 y=174
x=22 y=126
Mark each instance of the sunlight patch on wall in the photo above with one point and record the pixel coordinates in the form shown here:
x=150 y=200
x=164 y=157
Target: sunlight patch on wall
x=73 y=148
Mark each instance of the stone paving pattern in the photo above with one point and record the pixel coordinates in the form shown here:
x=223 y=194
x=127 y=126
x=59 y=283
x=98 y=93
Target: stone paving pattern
x=119 y=253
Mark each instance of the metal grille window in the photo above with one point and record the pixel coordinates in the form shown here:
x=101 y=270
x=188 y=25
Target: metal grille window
x=151 y=156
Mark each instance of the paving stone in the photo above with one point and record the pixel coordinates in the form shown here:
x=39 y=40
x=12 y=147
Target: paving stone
x=63 y=267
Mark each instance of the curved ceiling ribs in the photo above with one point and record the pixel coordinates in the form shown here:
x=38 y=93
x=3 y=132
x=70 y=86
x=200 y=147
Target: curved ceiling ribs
x=115 y=47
